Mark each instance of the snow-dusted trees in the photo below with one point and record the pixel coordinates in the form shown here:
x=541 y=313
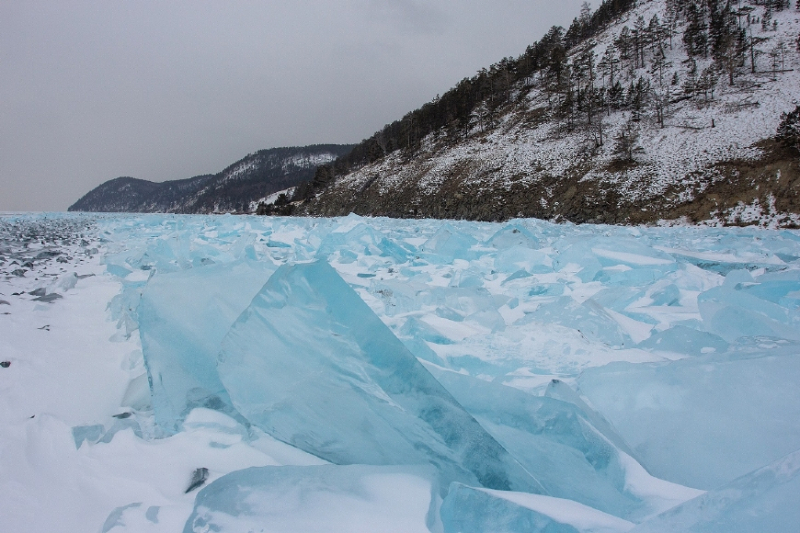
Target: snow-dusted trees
x=609 y=64
x=789 y=129
x=626 y=142
x=695 y=36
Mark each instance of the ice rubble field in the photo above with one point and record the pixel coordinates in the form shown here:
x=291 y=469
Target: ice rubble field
x=384 y=375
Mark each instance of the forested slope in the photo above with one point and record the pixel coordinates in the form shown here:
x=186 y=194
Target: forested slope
x=638 y=112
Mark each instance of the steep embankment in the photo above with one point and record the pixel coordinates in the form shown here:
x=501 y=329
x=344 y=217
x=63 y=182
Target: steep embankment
x=667 y=110
x=238 y=188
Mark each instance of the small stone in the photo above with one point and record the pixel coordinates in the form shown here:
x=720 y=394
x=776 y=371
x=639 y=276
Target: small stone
x=5 y=364
x=199 y=477
x=50 y=298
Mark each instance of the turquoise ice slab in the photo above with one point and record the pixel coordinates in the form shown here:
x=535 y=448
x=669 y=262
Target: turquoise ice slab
x=309 y=363
x=706 y=420
x=764 y=500
x=554 y=438
x=291 y=499
x=183 y=317
x=472 y=510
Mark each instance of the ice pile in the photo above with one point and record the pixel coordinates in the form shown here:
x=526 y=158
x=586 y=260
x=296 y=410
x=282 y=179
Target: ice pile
x=310 y=363
x=454 y=376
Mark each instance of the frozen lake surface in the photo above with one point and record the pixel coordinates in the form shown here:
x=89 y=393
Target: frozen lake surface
x=220 y=373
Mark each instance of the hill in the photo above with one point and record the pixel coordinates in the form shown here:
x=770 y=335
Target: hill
x=238 y=188
x=638 y=112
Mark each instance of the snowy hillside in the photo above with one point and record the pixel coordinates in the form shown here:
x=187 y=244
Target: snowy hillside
x=637 y=123
x=220 y=373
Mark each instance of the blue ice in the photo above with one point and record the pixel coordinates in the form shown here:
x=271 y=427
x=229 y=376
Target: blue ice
x=319 y=498
x=763 y=500
x=309 y=363
x=183 y=317
x=703 y=421
x=556 y=439
x=297 y=353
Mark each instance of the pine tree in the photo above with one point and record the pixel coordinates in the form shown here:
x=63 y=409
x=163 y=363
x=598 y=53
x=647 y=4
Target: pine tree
x=609 y=63
x=766 y=19
x=695 y=38
x=639 y=35
x=788 y=132
x=690 y=83
x=626 y=142
x=624 y=44
x=659 y=65
x=616 y=96
x=660 y=100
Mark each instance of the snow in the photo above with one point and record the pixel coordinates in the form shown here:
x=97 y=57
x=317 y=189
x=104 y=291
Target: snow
x=621 y=373
x=271 y=198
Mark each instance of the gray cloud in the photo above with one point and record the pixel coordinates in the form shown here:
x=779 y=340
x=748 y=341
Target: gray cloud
x=91 y=90
x=410 y=17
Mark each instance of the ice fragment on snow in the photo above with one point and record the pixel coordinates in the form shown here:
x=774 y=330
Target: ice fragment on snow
x=319 y=498
x=310 y=364
x=513 y=235
x=472 y=510
x=734 y=312
x=685 y=340
x=116 y=517
x=183 y=316
x=48 y=298
x=448 y=244
x=90 y=434
x=706 y=420
x=152 y=513
x=763 y=500
x=137 y=395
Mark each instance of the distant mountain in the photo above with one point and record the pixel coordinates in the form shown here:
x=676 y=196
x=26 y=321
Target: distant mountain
x=640 y=111
x=234 y=189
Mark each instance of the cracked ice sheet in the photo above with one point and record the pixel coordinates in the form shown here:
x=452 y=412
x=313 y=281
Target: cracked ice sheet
x=79 y=374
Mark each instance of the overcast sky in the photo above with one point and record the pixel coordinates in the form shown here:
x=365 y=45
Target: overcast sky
x=161 y=89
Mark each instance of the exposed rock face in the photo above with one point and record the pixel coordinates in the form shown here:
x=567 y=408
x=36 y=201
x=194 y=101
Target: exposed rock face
x=736 y=192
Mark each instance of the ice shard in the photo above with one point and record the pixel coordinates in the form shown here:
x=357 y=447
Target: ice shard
x=391 y=499
x=183 y=316
x=556 y=439
x=471 y=510
x=706 y=420
x=764 y=500
x=309 y=363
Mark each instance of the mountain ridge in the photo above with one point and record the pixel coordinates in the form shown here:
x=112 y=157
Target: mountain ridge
x=234 y=189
